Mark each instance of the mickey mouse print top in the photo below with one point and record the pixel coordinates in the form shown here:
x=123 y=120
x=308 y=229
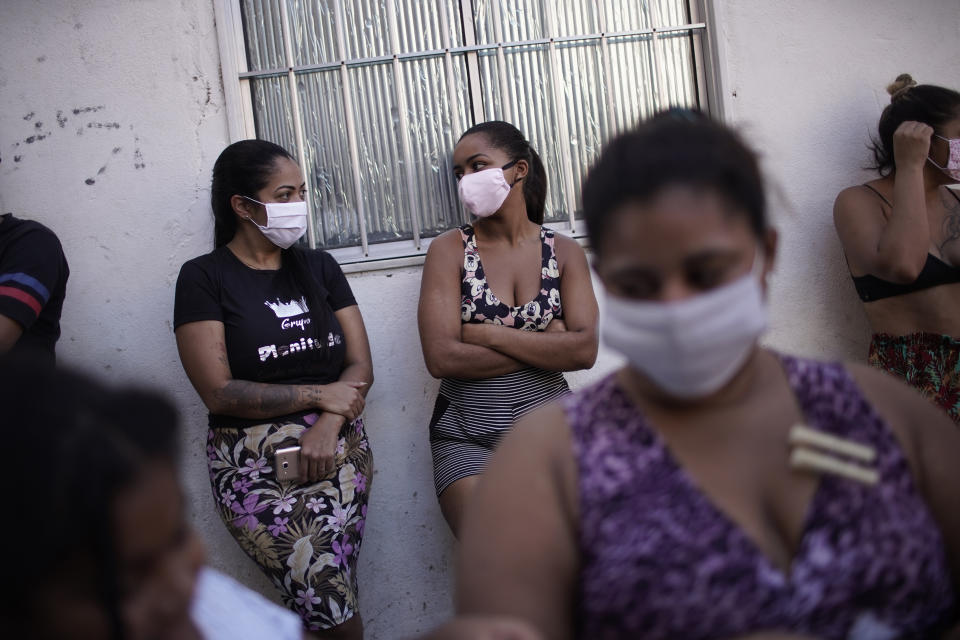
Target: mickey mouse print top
x=479 y=304
x=271 y=333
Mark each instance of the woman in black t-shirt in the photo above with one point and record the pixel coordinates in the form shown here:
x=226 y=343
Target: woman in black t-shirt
x=273 y=341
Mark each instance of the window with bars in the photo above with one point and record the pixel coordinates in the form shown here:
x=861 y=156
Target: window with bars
x=372 y=95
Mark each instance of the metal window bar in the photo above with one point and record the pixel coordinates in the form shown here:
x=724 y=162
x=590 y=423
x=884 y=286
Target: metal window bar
x=448 y=65
x=607 y=76
x=473 y=64
x=601 y=39
x=657 y=55
x=297 y=120
x=476 y=48
x=351 y=126
x=559 y=108
x=506 y=103
x=399 y=88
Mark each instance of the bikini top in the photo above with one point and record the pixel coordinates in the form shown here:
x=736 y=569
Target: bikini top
x=935 y=272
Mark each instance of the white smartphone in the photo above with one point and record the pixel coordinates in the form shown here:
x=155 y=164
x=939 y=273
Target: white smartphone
x=286 y=464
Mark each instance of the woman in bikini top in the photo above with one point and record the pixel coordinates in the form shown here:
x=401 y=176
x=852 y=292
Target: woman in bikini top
x=901 y=236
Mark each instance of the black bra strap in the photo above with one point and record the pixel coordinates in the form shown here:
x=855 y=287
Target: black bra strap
x=887 y=202
x=952 y=192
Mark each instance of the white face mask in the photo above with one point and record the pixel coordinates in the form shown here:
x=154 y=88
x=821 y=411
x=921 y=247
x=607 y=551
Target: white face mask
x=286 y=222
x=952 y=167
x=484 y=192
x=690 y=348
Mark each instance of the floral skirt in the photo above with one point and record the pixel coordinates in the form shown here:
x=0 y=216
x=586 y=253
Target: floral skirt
x=305 y=537
x=928 y=361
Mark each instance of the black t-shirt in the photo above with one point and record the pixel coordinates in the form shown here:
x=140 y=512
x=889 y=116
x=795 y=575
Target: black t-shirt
x=271 y=333
x=33 y=283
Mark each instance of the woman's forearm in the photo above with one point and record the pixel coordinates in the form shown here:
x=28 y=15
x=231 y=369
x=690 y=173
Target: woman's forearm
x=905 y=240
x=549 y=350
x=246 y=399
x=358 y=372
x=469 y=361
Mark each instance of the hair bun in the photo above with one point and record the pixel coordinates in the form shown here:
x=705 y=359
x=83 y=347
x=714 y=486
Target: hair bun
x=899 y=86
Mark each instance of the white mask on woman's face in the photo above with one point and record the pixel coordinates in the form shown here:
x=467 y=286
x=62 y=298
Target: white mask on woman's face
x=952 y=168
x=484 y=192
x=286 y=222
x=690 y=348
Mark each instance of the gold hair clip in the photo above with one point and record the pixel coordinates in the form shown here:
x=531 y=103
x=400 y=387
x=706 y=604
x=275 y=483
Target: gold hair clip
x=803 y=456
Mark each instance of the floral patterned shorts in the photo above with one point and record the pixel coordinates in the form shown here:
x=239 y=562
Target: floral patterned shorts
x=305 y=537
x=928 y=361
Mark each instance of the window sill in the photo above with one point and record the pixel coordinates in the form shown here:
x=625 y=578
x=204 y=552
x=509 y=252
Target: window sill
x=398 y=255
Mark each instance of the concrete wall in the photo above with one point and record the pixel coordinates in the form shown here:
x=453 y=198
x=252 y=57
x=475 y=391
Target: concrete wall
x=111 y=114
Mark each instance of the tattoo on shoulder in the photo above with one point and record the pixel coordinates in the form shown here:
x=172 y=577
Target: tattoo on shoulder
x=951 y=229
x=951 y=222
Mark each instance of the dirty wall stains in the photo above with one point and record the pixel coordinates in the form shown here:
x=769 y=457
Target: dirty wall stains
x=86 y=120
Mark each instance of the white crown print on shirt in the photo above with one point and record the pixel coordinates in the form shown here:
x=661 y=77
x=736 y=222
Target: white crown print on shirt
x=288 y=309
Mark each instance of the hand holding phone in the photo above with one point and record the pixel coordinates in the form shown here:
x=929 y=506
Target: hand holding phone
x=286 y=464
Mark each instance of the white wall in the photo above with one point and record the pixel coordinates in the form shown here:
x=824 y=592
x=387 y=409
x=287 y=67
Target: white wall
x=803 y=80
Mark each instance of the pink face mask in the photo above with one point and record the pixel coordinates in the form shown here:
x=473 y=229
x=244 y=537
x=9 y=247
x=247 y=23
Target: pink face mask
x=952 y=167
x=484 y=192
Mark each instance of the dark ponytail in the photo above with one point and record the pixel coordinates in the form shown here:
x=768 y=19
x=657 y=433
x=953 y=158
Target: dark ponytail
x=506 y=137
x=244 y=168
x=295 y=259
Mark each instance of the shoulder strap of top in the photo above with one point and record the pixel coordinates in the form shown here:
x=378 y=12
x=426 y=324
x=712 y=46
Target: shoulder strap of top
x=954 y=194
x=466 y=234
x=879 y=194
x=547 y=238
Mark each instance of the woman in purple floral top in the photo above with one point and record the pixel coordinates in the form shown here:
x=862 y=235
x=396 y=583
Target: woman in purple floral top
x=661 y=502
x=499 y=331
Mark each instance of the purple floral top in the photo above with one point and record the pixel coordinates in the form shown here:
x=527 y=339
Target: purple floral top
x=479 y=304
x=659 y=560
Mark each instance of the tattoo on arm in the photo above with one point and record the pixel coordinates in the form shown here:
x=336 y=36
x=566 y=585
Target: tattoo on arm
x=258 y=400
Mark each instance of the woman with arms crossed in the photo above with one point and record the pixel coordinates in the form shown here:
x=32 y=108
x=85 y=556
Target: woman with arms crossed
x=901 y=236
x=673 y=499
x=273 y=341
x=491 y=327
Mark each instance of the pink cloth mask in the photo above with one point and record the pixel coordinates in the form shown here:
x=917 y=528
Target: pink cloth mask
x=952 y=167
x=484 y=192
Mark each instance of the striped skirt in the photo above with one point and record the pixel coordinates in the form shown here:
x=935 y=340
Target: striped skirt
x=471 y=416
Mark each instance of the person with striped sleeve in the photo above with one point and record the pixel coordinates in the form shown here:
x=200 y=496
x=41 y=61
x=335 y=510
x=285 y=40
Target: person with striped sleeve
x=33 y=283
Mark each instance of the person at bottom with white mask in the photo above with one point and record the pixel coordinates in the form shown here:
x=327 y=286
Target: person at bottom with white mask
x=114 y=554
x=712 y=488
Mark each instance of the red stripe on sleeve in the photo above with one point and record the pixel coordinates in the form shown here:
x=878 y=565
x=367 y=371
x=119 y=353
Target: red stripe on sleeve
x=22 y=296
